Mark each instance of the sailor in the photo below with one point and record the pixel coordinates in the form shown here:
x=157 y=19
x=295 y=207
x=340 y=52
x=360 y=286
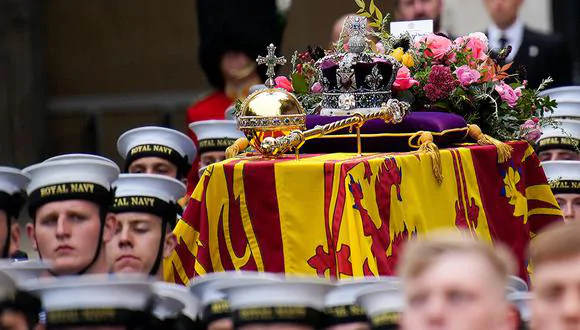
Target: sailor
x=214 y=137
x=564 y=178
x=145 y=207
x=176 y=307
x=22 y=312
x=97 y=301
x=560 y=141
x=69 y=203
x=384 y=304
x=343 y=312
x=12 y=197
x=292 y=303
x=214 y=306
x=8 y=290
x=157 y=150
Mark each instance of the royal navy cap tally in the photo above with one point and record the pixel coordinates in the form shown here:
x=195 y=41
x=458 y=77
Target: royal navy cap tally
x=100 y=299
x=153 y=141
x=148 y=193
x=13 y=183
x=215 y=135
x=566 y=135
x=174 y=300
x=341 y=302
x=522 y=300
x=383 y=303
x=70 y=179
x=214 y=302
x=563 y=175
x=296 y=300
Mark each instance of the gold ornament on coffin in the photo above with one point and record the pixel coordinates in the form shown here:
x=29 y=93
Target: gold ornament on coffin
x=271 y=112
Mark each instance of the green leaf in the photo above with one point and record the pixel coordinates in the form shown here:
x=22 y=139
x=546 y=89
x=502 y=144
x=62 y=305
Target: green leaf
x=299 y=83
x=372 y=7
x=375 y=25
x=360 y=3
x=366 y=14
x=360 y=11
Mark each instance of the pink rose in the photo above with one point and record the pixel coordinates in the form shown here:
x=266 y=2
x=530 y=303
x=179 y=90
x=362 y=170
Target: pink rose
x=316 y=88
x=531 y=130
x=508 y=94
x=284 y=82
x=380 y=47
x=476 y=43
x=437 y=46
x=467 y=75
x=404 y=80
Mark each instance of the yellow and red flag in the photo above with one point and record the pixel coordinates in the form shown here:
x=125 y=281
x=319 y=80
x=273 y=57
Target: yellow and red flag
x=342 y=215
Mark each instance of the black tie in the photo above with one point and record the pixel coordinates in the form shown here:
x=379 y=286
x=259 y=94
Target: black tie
x=503 y=42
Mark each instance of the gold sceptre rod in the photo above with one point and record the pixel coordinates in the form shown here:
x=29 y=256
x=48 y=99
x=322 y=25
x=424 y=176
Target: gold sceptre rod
x=391 y=112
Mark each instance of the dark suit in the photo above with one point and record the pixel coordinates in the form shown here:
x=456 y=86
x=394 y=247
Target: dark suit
x=544 y=56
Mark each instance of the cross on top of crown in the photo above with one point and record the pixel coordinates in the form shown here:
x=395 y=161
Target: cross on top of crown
x=271 y=61
x=355 y=25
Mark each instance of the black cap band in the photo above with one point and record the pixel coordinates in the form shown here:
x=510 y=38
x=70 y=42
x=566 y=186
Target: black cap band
x=280 y=314
x=215 y=311
x=97 y=316
x=565 y=186
x=146 y=204
x=558 y=142
x=220 y=144
x=66 y=191
x=160 y=151
x=345 y=314
x=385 y=321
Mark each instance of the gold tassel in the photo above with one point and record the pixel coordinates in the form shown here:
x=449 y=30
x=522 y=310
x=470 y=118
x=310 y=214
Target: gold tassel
x=233 y=150
x=504 y=150
x=430 y=148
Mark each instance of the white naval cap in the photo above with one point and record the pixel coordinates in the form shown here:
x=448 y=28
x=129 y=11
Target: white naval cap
x=566 y=135
x=153 y=141
x=522 y=301
x=12 y=180
x=70 y=179
x=295 y=299
x=564 y=175
x=341 y=302
x=174 y=299
x=516 y=284
x=215 y=135
x=80 y=156
x=13 y=183
x=148 y=193
x=383 y=303
x=208 y=289
x=106 y=298
x=24 y=270
x=565 y=93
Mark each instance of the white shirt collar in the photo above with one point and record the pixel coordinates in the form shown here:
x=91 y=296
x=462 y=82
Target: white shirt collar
x=514 y=35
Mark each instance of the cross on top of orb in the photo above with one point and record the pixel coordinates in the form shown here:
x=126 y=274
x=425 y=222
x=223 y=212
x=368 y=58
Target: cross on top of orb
x=271 y=61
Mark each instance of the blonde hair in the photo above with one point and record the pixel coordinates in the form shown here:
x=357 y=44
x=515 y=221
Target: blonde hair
x=556 y=242
x=420 y=254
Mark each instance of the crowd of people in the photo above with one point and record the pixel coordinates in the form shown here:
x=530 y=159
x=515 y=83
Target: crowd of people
x=103 y=232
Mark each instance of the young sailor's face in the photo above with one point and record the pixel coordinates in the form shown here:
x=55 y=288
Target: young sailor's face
x=67 y=234
x=153 y=165
x=135 y=245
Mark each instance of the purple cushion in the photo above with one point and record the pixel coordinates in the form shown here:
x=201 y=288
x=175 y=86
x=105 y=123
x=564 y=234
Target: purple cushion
x=454 y=130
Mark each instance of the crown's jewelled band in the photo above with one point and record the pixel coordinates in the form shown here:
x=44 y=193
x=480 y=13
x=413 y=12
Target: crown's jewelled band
x=292 y=121
x=347 y=101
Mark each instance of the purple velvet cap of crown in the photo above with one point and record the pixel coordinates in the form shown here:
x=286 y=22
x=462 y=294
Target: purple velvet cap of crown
x=413 y=122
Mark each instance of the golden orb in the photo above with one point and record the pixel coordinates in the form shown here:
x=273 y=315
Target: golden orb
x=271 y=112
